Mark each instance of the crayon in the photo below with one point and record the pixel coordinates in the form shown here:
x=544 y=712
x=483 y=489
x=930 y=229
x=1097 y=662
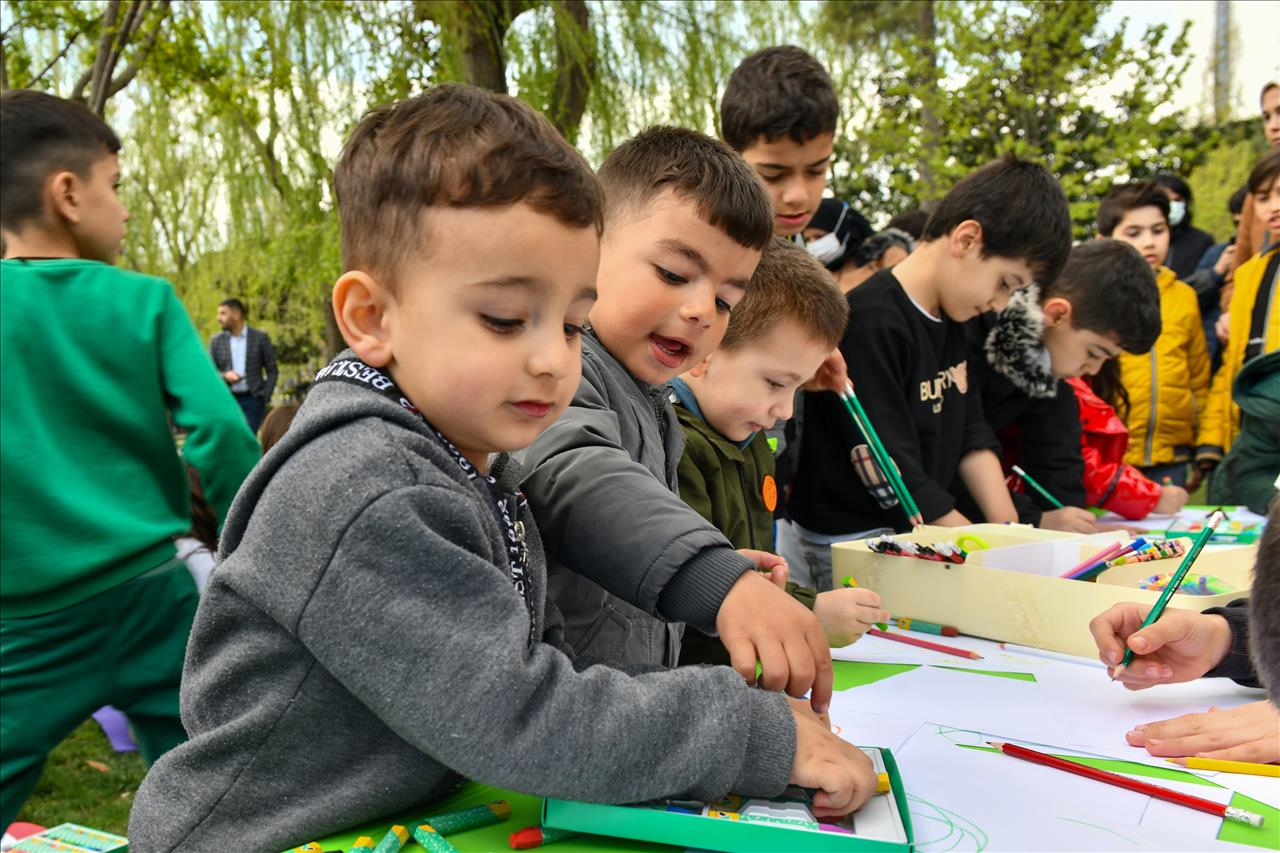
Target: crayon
x=395 y=839
x=364 y=844
x=1249 y=767
x=432 y=841
x=447 y=823
x=309 y=847
x=537 y=836
x=923 y=627
x=882 y=783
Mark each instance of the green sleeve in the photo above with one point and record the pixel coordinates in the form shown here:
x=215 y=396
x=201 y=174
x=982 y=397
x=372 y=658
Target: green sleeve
x=219 y=444
x=693 y=479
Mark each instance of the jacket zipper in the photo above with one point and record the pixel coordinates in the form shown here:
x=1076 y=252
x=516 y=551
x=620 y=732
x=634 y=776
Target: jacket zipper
x=1151 y=417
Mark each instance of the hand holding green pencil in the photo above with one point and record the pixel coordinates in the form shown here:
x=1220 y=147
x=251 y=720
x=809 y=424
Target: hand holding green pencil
x=1176 y=581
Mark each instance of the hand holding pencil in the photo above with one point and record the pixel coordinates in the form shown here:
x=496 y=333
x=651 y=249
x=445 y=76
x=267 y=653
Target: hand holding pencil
x=1181 y=646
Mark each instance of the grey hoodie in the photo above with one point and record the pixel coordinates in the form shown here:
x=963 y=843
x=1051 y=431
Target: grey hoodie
x=626 y=553
x=360 y=648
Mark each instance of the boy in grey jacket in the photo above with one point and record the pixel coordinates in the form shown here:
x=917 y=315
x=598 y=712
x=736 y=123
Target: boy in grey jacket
x=687 y=222
x=377 y=629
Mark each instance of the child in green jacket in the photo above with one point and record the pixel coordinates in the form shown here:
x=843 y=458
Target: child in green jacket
x=778 y=336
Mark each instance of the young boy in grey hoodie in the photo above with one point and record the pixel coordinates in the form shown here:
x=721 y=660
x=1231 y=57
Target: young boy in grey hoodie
x=378 y=628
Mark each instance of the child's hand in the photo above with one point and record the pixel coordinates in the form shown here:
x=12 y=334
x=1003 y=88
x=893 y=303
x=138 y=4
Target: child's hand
x=1180 y=646
x=832 y=375
x=1248 y=733
x=1071 y=519
x=842 y=772
x=846 y=614
x=758 y=621
x=771 y=565
x=1172 y=499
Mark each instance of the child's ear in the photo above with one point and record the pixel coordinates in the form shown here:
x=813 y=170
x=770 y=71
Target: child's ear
x=1056 y=311
x=966 y=237
x=360 y=308
x=63 y=194
x=699 y=370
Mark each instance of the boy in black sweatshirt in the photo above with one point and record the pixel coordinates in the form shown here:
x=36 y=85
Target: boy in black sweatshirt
x=998 y=230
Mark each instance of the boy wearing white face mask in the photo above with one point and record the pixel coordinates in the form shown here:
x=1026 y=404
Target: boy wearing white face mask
x=1187 y=244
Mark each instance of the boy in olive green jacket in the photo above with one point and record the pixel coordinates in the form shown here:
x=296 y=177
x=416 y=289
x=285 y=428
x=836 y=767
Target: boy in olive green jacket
x=778 y=336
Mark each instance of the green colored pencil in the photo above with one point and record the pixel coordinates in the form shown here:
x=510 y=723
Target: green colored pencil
x=1039 y=488
x=1210 y=525
x=883 y=459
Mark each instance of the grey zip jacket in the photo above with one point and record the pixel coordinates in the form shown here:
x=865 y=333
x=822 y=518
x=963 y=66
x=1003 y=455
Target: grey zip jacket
x=629 y=560
x=360 y=648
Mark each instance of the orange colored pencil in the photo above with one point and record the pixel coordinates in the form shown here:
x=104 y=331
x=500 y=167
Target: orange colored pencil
x=925 y=644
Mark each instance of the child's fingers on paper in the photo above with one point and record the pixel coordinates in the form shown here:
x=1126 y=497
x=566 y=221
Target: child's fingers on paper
x=1263 y=750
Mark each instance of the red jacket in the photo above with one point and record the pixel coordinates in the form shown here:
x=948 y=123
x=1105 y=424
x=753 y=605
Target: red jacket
x=1109 y=482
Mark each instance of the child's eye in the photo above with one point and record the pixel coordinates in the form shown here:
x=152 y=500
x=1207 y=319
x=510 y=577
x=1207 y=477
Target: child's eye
x=771 y=179
x=571 y=331
x=723 y=306
x=669 y=277
x=776 y=386
x=502 y=325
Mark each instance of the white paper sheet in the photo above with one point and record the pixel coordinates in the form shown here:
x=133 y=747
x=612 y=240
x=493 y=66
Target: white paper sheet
x=1095 y=711
x=865 y=729
x=1005 y=803
x=1008 y=707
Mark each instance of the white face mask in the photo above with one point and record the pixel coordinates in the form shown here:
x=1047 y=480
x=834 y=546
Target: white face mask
x=1177 y=212
x=828 y=247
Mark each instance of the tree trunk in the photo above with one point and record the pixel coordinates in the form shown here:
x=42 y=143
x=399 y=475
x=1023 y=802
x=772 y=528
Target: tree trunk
x=474 y=30
x=575 y=66
x=929 y=121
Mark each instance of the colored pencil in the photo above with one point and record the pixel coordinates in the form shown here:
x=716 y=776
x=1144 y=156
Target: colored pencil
x=908 y=624
x=1223 y=811
x=1103 y=555
x=1102 y=565
x=883 y=459
x=925 y=644
x=1249 y=767
x=1174 y=582
x=1030 y=481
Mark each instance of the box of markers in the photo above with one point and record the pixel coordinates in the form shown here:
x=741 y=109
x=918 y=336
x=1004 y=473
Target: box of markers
x=71 y=838
x=751 y=824
x=1008 y=588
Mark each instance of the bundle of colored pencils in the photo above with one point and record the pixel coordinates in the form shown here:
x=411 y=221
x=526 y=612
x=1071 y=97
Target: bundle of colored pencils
x=881 y=456
x=1098 y=562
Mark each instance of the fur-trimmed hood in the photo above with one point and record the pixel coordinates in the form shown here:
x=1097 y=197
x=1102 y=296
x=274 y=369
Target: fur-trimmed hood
x=1015 y=347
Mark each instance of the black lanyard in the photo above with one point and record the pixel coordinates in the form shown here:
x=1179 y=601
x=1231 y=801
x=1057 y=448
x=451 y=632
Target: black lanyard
x=506 y=506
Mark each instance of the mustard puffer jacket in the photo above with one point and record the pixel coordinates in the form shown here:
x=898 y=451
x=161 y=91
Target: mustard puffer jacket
x=1221 y=422
x=1167 y=386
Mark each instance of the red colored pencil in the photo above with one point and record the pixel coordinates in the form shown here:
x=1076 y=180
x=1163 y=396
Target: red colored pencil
x=925 y=644
x=1223 y=811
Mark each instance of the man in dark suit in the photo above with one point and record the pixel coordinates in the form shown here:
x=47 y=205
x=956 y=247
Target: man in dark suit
x=246 y=360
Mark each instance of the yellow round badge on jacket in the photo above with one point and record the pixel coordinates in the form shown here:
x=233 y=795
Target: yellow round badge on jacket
x=769 y=490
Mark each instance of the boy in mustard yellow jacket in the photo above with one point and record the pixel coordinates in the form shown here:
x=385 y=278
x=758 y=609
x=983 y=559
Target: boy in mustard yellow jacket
x=1166 y=387
x=1254 y=317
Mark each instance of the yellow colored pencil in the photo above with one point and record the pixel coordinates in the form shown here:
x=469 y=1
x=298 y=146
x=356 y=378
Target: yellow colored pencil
x=1248 y=767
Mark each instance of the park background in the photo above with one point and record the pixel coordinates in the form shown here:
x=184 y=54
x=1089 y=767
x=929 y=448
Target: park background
x=232 y=114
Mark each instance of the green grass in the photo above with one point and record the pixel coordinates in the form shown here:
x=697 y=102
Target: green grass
x=74 y=790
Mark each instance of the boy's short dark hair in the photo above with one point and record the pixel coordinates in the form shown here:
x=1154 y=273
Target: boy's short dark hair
x=776 y=92
x=725 y=190
x=41 y=134
x=452 y=146
x=789 y=285
x=1021 y=208
x=911 y=221
x=1235 y=204
x=235 y=305
x=1265 y=172
x=1122 y=198
x=1112 y=292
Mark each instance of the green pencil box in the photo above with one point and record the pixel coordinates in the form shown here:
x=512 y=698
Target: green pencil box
x=750 y=825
